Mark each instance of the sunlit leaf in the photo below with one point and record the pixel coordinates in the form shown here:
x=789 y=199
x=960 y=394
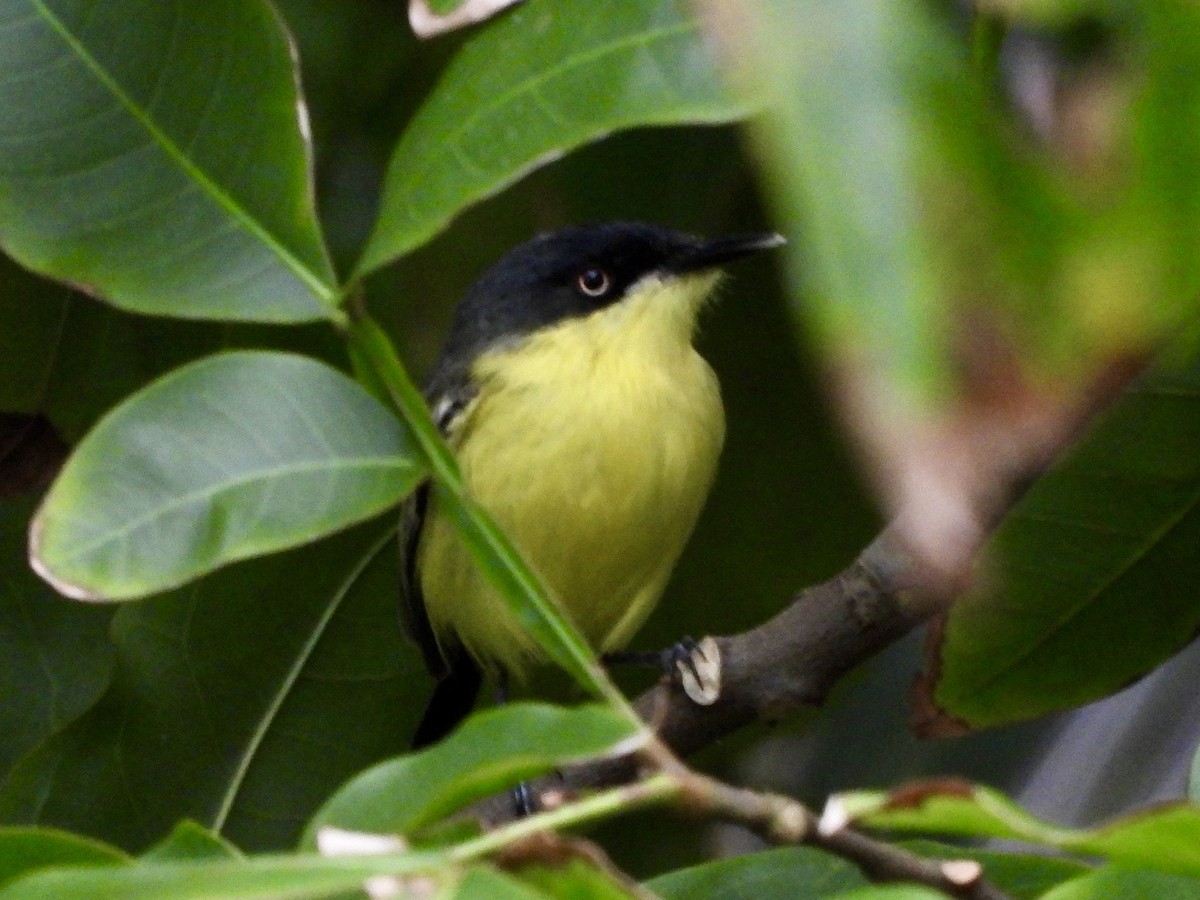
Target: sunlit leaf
x=22 y=850
x=1165 y=838
x=1112 y=881
x=233 y=456
x=262 y=878
x=543 y=79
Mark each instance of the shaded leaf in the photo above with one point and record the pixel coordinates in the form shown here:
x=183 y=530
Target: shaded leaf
x=783 y=873
x=230 y=457
x=70 y=358
x=57 y=656
x=1094 y=570
x=490 y=752
x=154 y=153
x=1025 y=876
x=23 y=850
x=240 y=702
x=545 y=78
x=1166 y=838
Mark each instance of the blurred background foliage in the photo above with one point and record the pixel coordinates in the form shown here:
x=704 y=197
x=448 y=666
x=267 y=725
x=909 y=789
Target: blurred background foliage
x=790 y=506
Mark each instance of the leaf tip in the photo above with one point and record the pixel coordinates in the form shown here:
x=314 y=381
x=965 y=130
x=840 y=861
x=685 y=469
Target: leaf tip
x=42 y=569
x=426 y=23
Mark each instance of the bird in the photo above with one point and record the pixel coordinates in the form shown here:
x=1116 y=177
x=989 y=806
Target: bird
x=587 y=424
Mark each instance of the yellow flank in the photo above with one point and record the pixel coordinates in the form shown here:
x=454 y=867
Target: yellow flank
x=594 y=443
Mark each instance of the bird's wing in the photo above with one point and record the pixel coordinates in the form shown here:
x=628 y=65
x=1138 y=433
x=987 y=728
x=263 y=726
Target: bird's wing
x=449 y=407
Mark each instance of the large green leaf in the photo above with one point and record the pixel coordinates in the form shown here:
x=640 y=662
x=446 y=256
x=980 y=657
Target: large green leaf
x=490 y=752
x=57 y=657
x=156 y=152
x=771 y=875
x=230 y=457
x=1166 y=838
x=1094 y=574
x=1112 y=882
x=23 y=850
x=240 y=702
x=263 y=878
x=541 y=80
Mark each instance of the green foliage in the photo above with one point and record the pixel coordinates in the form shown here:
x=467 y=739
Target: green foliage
x=492 y=752
x=1166 y=838
x=157 y=157
x=542 y=80
x=1081 y=554
x=234 y=456
x=783 y=873
x=196 y=216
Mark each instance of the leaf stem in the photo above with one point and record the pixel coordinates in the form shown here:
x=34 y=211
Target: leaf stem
x=649 y=791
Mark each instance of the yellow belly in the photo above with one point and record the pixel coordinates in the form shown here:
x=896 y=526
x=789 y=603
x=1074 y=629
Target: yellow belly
x=596 y=460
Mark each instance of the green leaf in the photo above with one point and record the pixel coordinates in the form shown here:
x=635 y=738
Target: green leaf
x=490 y=752
x=485 y=883
x=190 y=840
x=1111 y=882
x=576 y=878
x=57 y=656
x=1064 y=618
x=241 y=702
x=783 y=873
x=543 y=79
x=22 y=850
x=262 y=878
x=1166 y=838
x=844 y=143
x=233 y=456
x=1025 y=876
x=157 y=153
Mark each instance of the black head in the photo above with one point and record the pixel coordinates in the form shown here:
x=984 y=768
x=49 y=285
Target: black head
x=573 y=272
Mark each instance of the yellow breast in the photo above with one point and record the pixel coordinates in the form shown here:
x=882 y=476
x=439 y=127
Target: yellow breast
x=594 y=444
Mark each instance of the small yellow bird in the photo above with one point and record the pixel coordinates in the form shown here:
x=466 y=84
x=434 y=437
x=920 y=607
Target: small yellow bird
x=587 y=424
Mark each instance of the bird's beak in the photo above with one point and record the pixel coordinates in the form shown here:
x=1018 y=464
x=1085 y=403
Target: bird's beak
x=717 y=252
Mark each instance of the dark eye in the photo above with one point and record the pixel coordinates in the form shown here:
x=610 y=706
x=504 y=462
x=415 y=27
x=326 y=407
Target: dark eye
x=594 y=282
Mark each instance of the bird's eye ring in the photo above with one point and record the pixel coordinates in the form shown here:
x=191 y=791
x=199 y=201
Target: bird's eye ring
x=593 y=282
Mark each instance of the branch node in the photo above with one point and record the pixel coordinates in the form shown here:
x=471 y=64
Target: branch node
x=962 y=872
x=791 y=824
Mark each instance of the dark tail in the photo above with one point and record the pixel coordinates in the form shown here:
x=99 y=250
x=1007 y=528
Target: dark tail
x=452 y=700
